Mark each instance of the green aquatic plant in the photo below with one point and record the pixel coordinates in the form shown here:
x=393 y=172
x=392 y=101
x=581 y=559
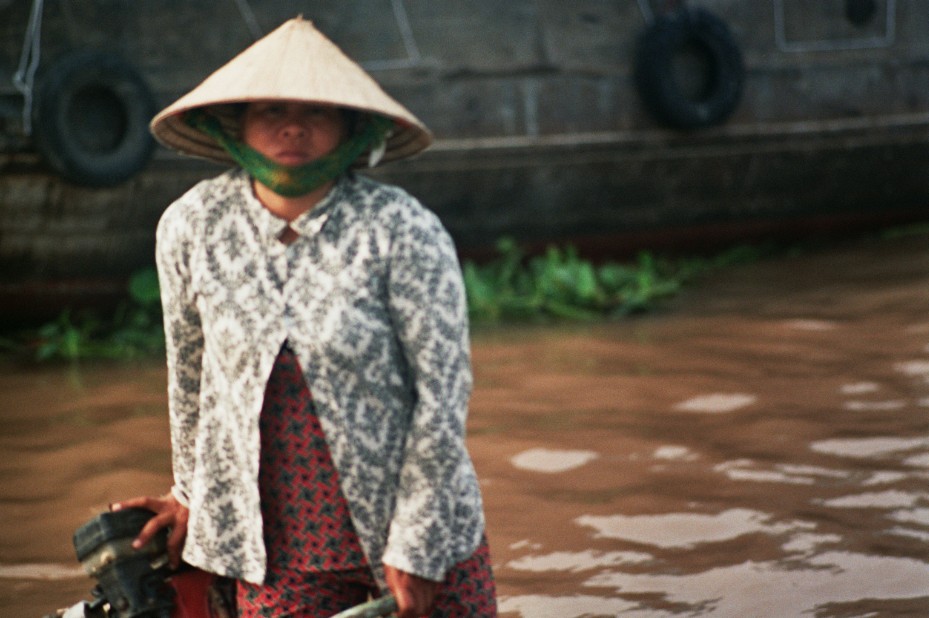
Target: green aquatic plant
x=560 y=284
x=134 y=329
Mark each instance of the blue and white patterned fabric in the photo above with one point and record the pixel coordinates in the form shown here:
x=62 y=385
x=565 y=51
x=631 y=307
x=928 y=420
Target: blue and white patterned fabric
x=370 y=297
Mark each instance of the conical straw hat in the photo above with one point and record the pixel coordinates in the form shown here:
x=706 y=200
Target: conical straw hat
x=296 y=62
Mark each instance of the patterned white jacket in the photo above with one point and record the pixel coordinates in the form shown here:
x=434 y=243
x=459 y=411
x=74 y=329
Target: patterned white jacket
x=371 y=299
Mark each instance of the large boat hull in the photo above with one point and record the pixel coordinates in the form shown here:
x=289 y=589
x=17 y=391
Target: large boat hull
x=542 y=134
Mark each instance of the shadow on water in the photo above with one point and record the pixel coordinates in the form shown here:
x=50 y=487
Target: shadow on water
x=759 y=449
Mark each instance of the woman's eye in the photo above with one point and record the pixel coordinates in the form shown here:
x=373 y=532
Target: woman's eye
x=270 y=111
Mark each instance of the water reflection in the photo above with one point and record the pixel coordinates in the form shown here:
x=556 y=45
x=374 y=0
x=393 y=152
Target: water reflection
x=761 y=453
x=686 y=530
x=40 y=571
x=828 y=578
x=548 y=460
x=759 y=449
x=716 y=403
x=873 y=448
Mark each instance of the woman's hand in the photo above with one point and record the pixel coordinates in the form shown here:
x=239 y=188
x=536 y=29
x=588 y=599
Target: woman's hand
x=415 y=596
x=169 y=513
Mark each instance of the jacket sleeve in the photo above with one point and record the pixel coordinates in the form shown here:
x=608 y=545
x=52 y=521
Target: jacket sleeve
x=429 y=312
x=183 y=341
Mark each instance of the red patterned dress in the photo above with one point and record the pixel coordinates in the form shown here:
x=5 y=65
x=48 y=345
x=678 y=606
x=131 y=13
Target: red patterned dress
x=316 y=566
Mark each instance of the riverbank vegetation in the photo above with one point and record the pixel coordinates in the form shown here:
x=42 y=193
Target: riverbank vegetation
x=561 y=285
x=558 y=285
x=134 y=329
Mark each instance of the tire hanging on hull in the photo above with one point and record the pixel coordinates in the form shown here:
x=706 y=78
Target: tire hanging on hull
x=90 y=119
x=710 y=91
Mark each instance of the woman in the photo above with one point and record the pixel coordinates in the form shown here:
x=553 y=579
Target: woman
x=317 y=348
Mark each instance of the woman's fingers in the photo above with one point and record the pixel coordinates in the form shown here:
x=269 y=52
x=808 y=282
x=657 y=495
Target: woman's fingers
x=415 y=595
x=177 y=537
x=151 y=528
x=142 y=502
x=169 y=513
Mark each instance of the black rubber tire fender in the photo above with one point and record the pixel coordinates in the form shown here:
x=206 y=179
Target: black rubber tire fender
x=90 y=118
x=724 y=73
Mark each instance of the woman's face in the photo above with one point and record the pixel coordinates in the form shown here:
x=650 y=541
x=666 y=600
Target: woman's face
x=292 y=133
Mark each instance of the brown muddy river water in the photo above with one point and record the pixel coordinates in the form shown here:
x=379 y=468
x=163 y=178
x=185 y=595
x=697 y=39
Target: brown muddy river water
x=760 y=448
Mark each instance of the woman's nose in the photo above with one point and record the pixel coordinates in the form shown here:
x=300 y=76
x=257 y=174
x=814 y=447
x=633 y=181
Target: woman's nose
x=293 y=127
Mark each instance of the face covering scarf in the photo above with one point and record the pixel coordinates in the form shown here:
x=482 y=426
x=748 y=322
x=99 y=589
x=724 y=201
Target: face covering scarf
x=296 y=180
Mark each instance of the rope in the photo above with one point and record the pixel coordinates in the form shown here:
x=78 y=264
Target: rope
x=406 y=31
x=24 y=78
x=414 y=58
x=249 y=16
x=646 y=9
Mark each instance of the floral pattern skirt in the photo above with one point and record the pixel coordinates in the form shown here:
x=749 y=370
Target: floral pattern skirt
x=316 y=566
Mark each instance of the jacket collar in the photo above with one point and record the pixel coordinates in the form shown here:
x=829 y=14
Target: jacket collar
x=270 y=226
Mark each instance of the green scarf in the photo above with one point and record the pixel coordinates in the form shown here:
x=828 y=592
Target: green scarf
x=293 y=180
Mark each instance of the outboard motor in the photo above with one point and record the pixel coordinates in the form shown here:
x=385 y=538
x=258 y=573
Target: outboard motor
x=139 y=583
x=130 y=581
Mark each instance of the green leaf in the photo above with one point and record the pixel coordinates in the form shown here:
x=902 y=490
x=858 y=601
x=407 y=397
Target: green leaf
x=143 y=287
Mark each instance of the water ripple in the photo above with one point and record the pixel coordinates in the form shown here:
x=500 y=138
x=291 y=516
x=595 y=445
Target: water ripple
x=40 y=571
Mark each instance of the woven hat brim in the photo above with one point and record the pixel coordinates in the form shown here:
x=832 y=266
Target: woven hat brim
x=296 y=62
